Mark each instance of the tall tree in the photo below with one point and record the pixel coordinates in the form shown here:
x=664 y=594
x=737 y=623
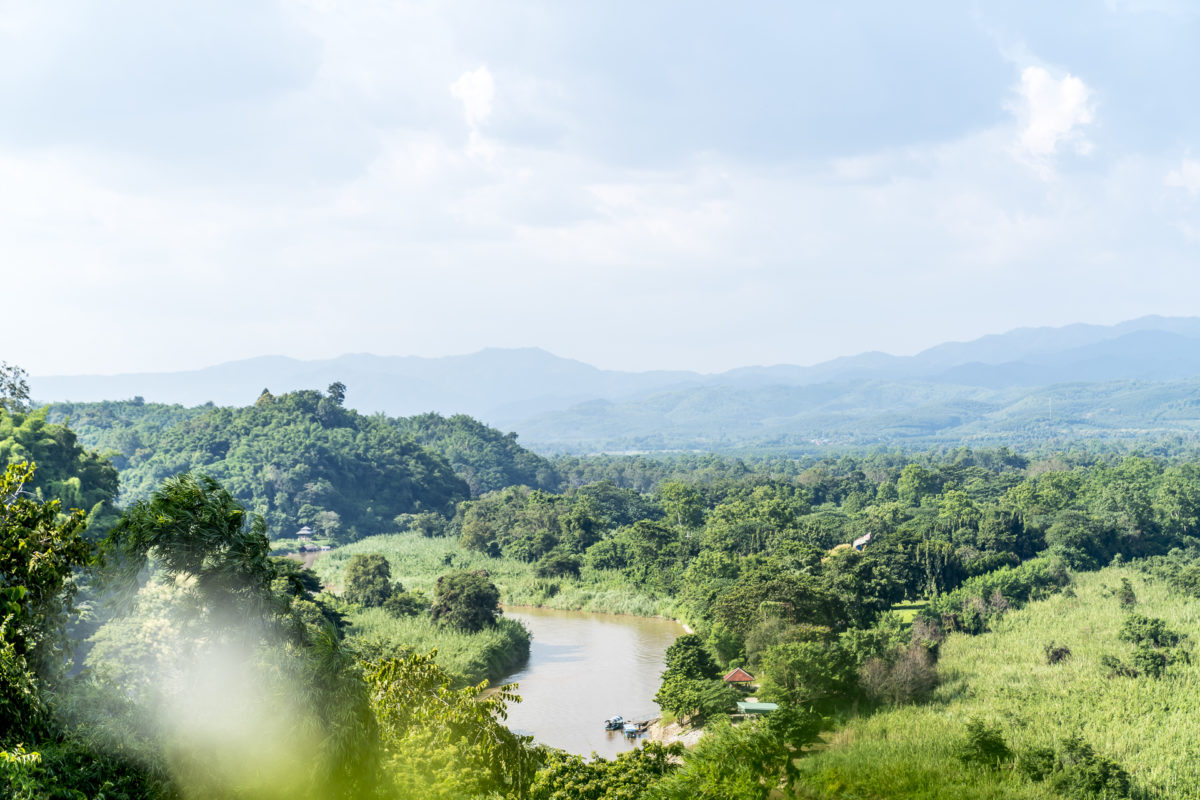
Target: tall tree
x=14 y=387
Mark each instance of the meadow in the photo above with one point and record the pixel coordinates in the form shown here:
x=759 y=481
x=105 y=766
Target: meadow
x=1149 y=726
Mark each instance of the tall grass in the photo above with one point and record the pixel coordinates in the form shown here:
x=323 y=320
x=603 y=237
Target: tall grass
x=417 y=562
x=1151 y=726
x=469 y=657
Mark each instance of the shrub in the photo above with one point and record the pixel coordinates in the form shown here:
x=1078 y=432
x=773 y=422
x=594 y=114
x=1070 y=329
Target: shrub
x=1084 y=773
x=406 y=604
x=466 y=600
x=910 y=678
x=1077 y=771
x=1057 y=653
x=928 y=634
x=557 y=564
x=1038 y=763
x=984 y=745
x=368 y=579
x=1150 y=662
x=1140 y=629
x=965 y=608
x=1117 y=668
x=1125 y=595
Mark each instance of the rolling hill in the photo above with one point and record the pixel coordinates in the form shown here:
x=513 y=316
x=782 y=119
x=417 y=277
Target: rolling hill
x=1136 y=378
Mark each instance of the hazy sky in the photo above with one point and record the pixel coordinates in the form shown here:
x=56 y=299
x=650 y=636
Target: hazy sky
x=634 y=184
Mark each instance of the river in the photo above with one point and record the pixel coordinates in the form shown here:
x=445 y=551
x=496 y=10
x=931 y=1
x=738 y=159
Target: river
x=584 y=668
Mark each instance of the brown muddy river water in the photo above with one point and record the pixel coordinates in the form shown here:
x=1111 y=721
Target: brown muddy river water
x=584 y=668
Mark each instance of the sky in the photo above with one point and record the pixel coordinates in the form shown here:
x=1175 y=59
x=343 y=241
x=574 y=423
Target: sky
x=636 y=185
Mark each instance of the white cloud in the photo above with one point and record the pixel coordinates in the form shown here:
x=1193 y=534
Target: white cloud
x=476 y=90
x=1186 y=177
x=1051 y=113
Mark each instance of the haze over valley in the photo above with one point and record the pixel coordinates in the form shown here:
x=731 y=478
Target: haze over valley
x=1137 y=378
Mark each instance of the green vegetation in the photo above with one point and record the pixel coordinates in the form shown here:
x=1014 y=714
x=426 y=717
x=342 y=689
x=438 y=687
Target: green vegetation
x=417 y=561
x=303 y=459
x=1002 y=679
x=66 y=472
x=467 y=657
x=1003 y=625
x=483 y=457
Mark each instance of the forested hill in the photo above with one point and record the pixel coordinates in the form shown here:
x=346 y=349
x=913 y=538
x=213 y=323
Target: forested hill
x=483 y=457
x=302 y=458
x=1028 y=387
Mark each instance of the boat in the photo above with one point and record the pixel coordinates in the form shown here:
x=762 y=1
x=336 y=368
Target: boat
x=614 y=723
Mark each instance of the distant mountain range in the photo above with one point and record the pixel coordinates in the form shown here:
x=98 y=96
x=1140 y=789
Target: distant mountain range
x=1136 y=378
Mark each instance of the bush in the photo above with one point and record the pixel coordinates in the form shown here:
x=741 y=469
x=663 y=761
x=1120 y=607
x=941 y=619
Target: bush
x=1084 y=773
x=1038 y=763
x=368 y=579
x=984 y=746
x=406 y=604
x=910 y=678
x=1125 y=595
x=1150 y=662
x=1077 y=772
x=557 y=564
x=966 y=609
x=1117 y=668
x=466 y=600
x=1140 y=629
x=1057 y=653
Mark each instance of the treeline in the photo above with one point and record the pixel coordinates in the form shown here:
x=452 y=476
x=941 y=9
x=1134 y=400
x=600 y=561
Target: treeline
x=725 y=546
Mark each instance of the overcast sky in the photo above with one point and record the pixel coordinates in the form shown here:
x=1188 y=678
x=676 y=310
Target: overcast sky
x=633 y=184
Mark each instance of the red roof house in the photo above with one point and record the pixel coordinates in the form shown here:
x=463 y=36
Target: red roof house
x=738 y=675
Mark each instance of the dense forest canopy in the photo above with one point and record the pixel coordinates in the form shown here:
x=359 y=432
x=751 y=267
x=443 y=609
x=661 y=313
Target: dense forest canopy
x=302 y=458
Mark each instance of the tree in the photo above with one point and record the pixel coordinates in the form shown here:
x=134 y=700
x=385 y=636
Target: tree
x=78 y=478
x=565 y=776
x=368 y=579
x=38 y=553
x=689 y=683
x=337 y=392
x=14 y=387
x=682 y=503
x=557 y=564
x=688 y=657
x=466 y=600
x=915 y=483
x=329 y=523
x=810 y=673
x=193 y=528
x=442 y=743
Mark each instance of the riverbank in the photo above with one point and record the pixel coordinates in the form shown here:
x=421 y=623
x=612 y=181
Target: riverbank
x=673 y=732
x=518 y=606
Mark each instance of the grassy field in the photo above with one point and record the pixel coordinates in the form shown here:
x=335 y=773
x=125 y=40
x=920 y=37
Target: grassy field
x=1150 y=726
x=417 y=562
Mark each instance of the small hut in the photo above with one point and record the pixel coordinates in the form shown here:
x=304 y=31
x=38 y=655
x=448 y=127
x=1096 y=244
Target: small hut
x=739 y=676
x=861 y=541
x=749 y=708
x=304 y=534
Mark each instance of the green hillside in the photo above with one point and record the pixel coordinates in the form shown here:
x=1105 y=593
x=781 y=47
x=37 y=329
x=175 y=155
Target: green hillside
x=303 y=458
x=1147 y=725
